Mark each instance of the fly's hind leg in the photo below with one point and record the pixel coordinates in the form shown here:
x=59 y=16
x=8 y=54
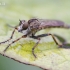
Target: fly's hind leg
x=60 y=45
x=64 y=42
x=43 y=35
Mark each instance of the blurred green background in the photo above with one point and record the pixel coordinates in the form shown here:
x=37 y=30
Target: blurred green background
x=13 y=10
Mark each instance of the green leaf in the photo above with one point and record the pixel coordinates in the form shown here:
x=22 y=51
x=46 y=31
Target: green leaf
x=49 y=56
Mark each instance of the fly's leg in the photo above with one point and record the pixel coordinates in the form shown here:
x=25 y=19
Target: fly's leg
x=35 y=37
x=35 y=47
x=9 y=38
x=43 y=35
x=60 y=45
x=64 y=42
x=24 y=36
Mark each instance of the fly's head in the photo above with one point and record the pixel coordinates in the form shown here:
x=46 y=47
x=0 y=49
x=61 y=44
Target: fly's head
x=30 y=26
x=23 y=25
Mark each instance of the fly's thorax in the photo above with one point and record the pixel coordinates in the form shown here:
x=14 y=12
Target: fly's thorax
x=34 y=25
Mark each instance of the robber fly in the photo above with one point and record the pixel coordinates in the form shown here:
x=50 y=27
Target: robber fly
x=30 y=27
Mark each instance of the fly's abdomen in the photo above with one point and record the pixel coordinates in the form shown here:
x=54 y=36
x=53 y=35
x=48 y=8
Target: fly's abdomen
x=52 y=24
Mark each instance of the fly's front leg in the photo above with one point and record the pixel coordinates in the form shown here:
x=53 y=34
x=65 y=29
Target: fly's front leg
x=9 y=38
x=24 y=36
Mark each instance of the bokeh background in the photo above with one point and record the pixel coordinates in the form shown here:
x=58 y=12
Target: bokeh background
x=13 y=10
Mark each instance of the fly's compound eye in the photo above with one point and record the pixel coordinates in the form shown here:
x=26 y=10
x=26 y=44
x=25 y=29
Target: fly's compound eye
x=25 y=26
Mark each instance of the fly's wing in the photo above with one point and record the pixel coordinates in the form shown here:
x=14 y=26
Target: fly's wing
x=51 y=24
